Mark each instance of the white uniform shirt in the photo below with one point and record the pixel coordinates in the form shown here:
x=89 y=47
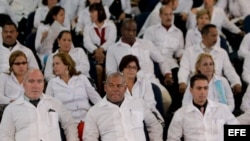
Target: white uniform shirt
x=75 y=95
x=5 y=9
x=41 y=13
x=5 y=53
x=244 y=118
x=245 y=104
x=246 y=70
x=10 y=88
x=142 y=89
x=239 y=8
x=45 y=48
x=218 y=18
x=213 y=93
x=91 y=39
x=146 y=53
x=22 y=8
x=124 y=123
x=84 y=18
x=23 y=121
x=73 y=7
x=244 y=49
x=184 y=6
x=194 y=37
x=77 y=54
x=170 y=42
x=223 y=66
x=189 y=122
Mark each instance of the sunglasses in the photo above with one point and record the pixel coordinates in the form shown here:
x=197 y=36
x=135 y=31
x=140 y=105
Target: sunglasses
x=20 y=63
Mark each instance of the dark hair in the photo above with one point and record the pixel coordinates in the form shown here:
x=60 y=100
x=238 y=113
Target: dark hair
x=100 y=11
x=126 y=21
x=68 y=61
x=206 y=28
x=13 y=57
x=197 y=77
x=4 y=18
x=55 y=44
x=87 y=3
x=9 y=23
x=52 y=12
x=45 y=2
x=128 y=59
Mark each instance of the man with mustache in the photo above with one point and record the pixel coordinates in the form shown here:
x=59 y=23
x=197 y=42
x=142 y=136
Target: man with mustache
x=11 y=44
x=169 y=39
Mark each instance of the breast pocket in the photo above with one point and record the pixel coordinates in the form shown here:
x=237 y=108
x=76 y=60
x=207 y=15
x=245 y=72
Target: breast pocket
x=53 y=119
x=136 y=119
x=217 y=125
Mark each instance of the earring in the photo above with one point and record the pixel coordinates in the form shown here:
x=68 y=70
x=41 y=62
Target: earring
x=67 y=72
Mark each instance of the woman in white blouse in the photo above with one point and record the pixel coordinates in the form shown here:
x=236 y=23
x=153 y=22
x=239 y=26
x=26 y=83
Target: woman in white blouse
x=65 y=45
x=98 y=36
x=48 y=31
x=193 y=36
x=43 y=10
x=72 y=88
x=11 y=84
x=138 y=87
x=218 y=90
x=84 y=16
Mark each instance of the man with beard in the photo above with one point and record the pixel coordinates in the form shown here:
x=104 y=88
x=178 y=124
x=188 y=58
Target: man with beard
x=10 y=44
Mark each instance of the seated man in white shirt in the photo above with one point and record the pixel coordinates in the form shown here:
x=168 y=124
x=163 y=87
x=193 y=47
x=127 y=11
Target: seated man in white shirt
x=170 y=41
x=10 y=44
x=223 y=65
x=147 y=54
x=35 y=116
x=202 y=118
x=118 y=117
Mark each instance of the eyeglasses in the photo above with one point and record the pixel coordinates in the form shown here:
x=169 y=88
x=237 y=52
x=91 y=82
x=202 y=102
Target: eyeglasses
x=20 y=63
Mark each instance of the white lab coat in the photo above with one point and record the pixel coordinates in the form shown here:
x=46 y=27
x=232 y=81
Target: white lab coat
x=223 y=66
x=244 y=118
x=124 y=123
x=22 y=121
x=170 y=42
x=44 y=48
x=194 y=37
x=10 y=88
x=145 y=51
x=218 y=18
x=245 y=104
x=84 y=18
x=142 y=89
x=22 y=8
x=213 y=93
x=244 y=49
x=77 y=54
x=74 y=95
x=189 y=122
x=91 y=39
x=246 y=70
x=41 y=13
x=5 y=53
